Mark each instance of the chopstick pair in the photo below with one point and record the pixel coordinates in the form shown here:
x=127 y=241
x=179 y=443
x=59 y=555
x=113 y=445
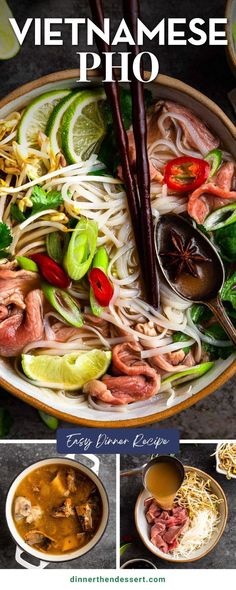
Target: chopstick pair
x=138 y=196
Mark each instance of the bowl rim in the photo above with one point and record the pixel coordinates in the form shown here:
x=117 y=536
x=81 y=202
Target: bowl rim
x=11 y=524
x=230 y=371
x=230 y=48
x=218 y=537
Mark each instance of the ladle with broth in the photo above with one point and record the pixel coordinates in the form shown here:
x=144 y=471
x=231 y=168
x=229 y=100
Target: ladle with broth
x=162 y=477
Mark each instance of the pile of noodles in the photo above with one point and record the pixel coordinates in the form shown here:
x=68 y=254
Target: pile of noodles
x=103 y=199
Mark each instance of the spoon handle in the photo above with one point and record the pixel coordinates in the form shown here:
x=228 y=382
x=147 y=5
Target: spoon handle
x=133 y=471
x=218 y=309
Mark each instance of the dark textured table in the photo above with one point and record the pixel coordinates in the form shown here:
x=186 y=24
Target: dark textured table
x=196 y=455
x=206 y=69
x=12 y=462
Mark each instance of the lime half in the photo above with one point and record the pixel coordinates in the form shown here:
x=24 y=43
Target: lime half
x=9 y=45
x=36 y=116
x=53 y=129
x=83 y=126
x=70 y=371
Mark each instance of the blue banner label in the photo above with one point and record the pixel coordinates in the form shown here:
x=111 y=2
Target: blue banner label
x=135 y=441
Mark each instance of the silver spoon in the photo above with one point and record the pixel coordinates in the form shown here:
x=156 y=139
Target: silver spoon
x=204 y=289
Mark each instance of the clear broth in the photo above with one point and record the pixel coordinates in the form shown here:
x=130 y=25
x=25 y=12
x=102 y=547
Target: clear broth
x=163 y=480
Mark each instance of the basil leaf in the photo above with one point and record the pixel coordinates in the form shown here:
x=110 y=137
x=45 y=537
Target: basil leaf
x=200 y=313
x=225 y=238
x=5 y=236
x=108 y=153
x=228 y=292
x=216 y=352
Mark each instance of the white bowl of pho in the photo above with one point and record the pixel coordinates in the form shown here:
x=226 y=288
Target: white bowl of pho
x=77 y=338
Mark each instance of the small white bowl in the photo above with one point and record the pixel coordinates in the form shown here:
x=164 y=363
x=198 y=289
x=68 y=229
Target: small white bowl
x=132 y=562
x=143 y=527
x=218 y=468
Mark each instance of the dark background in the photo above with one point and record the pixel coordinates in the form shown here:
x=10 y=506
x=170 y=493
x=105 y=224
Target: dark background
x=222 y=556
x=12 y=462
x=203 y=67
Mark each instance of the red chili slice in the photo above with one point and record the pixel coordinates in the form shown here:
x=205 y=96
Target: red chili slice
x=102 y=288
x=51 y=271
x=185 y=174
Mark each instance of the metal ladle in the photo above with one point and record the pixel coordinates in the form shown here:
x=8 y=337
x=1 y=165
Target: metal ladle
x=211 y=296
x=143 y=469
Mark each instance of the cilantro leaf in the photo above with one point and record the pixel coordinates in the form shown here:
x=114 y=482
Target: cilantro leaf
x=42 y=200
x=16 y=214
x=5 y=236
x=228 y=292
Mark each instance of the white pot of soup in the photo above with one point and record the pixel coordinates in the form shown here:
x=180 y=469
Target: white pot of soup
x=56 y=510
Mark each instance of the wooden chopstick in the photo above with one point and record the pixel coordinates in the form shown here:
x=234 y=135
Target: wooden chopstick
x=141 y=221
x=131 y=12
x=113 y=95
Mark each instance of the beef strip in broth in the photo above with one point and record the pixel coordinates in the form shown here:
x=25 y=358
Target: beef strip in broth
x=57 y=509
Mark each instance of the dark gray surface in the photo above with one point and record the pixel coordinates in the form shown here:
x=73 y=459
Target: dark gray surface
x=223 y=555
x=213 y=417
x=203 y=67
x=14 y=459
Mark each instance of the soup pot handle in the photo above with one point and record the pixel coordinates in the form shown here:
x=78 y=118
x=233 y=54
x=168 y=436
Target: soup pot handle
x=26 y=564
x=93 y=458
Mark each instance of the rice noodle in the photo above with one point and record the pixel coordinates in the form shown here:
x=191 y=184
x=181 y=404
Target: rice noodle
x=86 y=192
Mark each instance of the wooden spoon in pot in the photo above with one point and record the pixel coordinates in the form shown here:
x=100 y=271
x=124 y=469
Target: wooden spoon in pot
x=192 y=266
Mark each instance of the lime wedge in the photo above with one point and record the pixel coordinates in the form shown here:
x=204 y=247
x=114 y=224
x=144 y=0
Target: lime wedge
x=9 y=45
x=53 y=128
x=36 y=116
x=70 y=371
x=83 y=126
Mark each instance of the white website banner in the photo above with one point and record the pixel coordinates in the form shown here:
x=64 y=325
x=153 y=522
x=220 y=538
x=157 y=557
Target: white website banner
x=113 y=579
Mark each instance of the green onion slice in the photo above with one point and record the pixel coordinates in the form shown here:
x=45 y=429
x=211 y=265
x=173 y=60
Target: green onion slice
x=189 y=374
x=81 y=249
x=221 y=217
x=27 y=263
x=64 y=304
x=214 y=157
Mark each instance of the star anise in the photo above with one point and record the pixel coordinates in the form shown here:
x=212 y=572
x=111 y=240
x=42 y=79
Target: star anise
x=185 y=255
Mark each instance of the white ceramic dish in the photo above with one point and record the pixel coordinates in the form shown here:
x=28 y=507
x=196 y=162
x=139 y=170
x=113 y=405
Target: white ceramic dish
x=143 y=527
x=45 y=558
x=218 y=468
x=157 y=408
